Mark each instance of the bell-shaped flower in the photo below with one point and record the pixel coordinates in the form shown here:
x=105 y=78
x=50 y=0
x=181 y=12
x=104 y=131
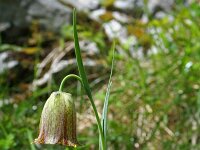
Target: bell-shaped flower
x=58 y=121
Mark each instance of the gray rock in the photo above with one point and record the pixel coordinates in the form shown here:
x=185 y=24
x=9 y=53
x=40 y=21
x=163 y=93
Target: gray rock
x=137 y=6
x=83 y=5
x=6 y=64
x=50 y=14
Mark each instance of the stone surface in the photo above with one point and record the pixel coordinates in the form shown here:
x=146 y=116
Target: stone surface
x=5 y=63
x=50 y=14
x=83 y=5
x=152 y=5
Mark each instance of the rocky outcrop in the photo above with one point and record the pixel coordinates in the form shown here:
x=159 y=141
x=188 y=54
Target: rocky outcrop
x=18 y=15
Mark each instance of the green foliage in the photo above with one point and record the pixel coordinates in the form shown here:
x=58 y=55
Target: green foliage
x=154 y=102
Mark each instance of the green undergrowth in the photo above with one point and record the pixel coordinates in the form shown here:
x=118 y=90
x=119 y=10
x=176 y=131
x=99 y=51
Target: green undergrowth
x=154 y=101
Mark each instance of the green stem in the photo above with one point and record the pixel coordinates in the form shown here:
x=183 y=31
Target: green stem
x=68 y=77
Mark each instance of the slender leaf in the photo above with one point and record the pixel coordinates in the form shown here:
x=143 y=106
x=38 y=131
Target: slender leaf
x=84 y=78
x=79 y=58
x=105 y=107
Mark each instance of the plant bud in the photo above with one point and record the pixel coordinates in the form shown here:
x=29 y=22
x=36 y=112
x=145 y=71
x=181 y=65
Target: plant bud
x=58 y=121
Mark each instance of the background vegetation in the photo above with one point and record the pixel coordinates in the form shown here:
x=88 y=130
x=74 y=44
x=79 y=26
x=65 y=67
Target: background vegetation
x=155 y=95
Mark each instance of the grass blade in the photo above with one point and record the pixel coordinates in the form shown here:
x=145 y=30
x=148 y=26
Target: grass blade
x=105 y=107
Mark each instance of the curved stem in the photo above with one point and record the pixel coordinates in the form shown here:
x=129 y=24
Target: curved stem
x=91 y=100
x=66 y=78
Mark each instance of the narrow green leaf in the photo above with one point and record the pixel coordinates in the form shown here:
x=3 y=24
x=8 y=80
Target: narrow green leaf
x=79 y=58
x=105 y=107
x=84 y=78
x=9 y=47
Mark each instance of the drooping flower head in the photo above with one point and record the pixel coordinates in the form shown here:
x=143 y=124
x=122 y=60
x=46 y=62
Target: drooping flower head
x=58 y=121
